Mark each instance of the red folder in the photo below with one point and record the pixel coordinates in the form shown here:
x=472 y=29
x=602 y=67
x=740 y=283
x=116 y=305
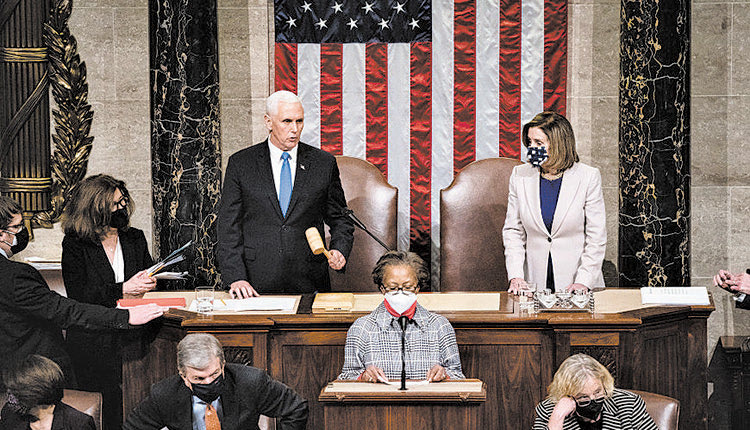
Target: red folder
x=172 y=302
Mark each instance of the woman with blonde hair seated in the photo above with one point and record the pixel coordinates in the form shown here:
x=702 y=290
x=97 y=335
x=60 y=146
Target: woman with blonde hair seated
x=582 y=396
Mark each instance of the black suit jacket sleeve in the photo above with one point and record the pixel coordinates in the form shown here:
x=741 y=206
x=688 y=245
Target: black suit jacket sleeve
x=342 y=230
x=32 y=296
x=229 y=248
x=281 y=402
x=87 y=273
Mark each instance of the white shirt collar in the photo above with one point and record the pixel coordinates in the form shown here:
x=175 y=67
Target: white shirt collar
x=2 y=251
x=276 y=152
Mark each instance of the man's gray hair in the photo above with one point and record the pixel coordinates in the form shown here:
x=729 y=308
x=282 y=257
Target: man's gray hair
x=197 y=351
x=272 y=102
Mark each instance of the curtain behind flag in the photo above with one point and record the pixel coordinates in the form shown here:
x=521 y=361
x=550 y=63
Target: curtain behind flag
x=421 y=88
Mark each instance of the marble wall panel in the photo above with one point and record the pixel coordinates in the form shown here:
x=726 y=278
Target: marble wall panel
x=739 y=229
x=580 y=57
x=740 y=49
x=710 y=156
x=654 y=239
x=93 y=28
x=710 y=53
x=605 y=49
x=185 y=132
x=709 y=227
x=131 y=54
x=738 y=144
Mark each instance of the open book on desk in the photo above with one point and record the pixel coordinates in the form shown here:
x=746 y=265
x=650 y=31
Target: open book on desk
x=675 y=295
x=262 y=303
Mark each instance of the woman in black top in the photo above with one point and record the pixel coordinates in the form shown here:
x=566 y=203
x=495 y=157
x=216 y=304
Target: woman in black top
x=103 y=260
x=35 y=392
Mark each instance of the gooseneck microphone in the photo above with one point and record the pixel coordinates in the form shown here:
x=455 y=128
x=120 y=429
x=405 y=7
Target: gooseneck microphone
x=403 y=321
x=359 y=224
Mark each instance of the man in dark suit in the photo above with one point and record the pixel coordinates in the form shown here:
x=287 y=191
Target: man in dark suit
x=209 y=394
x=273 y=192
x=32 y=316
x=736 y=283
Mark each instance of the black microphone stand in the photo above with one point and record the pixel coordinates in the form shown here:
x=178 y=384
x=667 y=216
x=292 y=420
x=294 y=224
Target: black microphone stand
x=402 y=322
x=359 y=224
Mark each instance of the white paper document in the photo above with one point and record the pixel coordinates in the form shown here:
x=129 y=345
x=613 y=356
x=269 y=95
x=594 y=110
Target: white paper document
x=675 y=295
x=409 y=384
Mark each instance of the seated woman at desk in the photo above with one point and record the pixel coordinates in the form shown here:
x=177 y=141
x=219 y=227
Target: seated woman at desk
x=582 y=396
x=103 y=260
x=35 y=392
x=554 y=233
x=373 y=343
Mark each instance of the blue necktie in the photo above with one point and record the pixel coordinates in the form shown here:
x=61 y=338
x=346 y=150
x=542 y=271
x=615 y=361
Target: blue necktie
x=285 y=183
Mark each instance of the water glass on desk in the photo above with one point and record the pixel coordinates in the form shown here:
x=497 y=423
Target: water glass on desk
x=204 y=299
x=526 y=297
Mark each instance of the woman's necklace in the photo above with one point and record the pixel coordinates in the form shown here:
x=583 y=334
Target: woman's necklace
x=551 y=176
x=110 y=243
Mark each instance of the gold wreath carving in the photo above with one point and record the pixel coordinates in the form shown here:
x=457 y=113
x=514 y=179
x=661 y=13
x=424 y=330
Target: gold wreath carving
x=67 y=75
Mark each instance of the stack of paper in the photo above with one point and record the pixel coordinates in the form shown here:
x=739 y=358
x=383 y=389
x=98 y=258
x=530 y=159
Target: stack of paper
x=675 y=295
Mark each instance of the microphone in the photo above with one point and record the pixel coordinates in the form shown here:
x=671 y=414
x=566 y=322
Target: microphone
x=359 y=224
x=403 y=321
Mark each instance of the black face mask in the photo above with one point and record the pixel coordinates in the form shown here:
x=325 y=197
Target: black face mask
x=119 y=218
x=209 y=392
x=22 y=240
x=592 y=410
x=20 y=409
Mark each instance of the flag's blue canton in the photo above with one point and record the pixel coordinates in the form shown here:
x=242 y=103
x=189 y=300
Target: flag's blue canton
x=352 y=21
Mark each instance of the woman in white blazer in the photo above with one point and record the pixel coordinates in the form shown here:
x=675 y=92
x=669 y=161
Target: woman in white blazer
x=554 y=233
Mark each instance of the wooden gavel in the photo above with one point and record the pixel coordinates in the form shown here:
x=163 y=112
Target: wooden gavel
x=316 y=242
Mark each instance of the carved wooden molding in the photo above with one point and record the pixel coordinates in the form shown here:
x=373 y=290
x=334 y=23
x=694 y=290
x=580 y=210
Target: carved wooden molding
x=73 y=116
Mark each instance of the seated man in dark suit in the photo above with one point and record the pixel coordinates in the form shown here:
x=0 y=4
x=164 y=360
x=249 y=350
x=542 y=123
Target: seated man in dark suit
x=32 y=316
x=273 y=192
x=209 y=394
x=737 y=283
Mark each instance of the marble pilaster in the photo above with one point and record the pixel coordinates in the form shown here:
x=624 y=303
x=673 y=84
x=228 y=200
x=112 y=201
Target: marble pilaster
x=185 y=132
x=654 y=236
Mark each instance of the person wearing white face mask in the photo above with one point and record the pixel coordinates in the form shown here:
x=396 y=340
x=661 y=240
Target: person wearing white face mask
x=373 y=342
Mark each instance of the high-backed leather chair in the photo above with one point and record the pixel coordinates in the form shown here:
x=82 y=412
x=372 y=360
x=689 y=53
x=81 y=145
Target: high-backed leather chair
x=664 y=410
x=84 y=401
x=472 y=214
x=374 y=202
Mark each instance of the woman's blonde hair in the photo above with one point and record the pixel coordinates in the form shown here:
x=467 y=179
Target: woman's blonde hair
x=89 y=209
x=573 y=375
x=562 y=141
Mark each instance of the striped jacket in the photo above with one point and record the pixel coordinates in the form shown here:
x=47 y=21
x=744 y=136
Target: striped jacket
x=623 y=411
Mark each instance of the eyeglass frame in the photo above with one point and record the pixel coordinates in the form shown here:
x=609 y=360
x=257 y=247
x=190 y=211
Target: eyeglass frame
x=401 y=287
x=20 y=228
x=586 y=400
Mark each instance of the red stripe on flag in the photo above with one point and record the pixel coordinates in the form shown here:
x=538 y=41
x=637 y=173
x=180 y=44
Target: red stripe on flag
x=421 y=147
x=376 y=102
x=285 y=67
x=331 y=128
x=510 y=78
x=555 y=54
x=464 y=84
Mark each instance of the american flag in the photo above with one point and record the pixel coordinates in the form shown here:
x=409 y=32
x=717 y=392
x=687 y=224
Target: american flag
x=421 y=88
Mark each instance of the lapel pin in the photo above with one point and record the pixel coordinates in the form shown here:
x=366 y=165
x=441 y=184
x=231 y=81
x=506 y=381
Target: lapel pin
x=302 y=166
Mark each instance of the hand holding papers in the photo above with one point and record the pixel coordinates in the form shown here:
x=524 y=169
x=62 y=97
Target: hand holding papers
x=175 y=257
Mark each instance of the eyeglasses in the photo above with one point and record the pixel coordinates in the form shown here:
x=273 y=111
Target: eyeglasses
x=585 y=401
x=18 y=227
x=409 y=288
x=123 y=202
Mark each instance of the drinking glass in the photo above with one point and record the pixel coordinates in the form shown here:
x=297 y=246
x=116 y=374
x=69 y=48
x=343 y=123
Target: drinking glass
x=546 y=298
x=526 y=297
x=580 y=298
x=563 y=299
x=204 y=297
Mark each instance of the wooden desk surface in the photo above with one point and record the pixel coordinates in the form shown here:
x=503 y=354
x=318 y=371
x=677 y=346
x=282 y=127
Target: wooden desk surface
x=655 y=348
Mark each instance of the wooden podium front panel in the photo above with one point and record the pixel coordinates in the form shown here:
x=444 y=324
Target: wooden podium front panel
x=518 y=362
x=403 y=417
x=307 y=361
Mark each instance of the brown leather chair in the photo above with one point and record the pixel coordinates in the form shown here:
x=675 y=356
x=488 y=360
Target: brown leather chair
x=664 y=410
x=84 y=401
x=374 y=202
x=472 y=214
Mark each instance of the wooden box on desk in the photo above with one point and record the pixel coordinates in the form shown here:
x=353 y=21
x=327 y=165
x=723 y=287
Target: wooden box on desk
x=445 y=405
